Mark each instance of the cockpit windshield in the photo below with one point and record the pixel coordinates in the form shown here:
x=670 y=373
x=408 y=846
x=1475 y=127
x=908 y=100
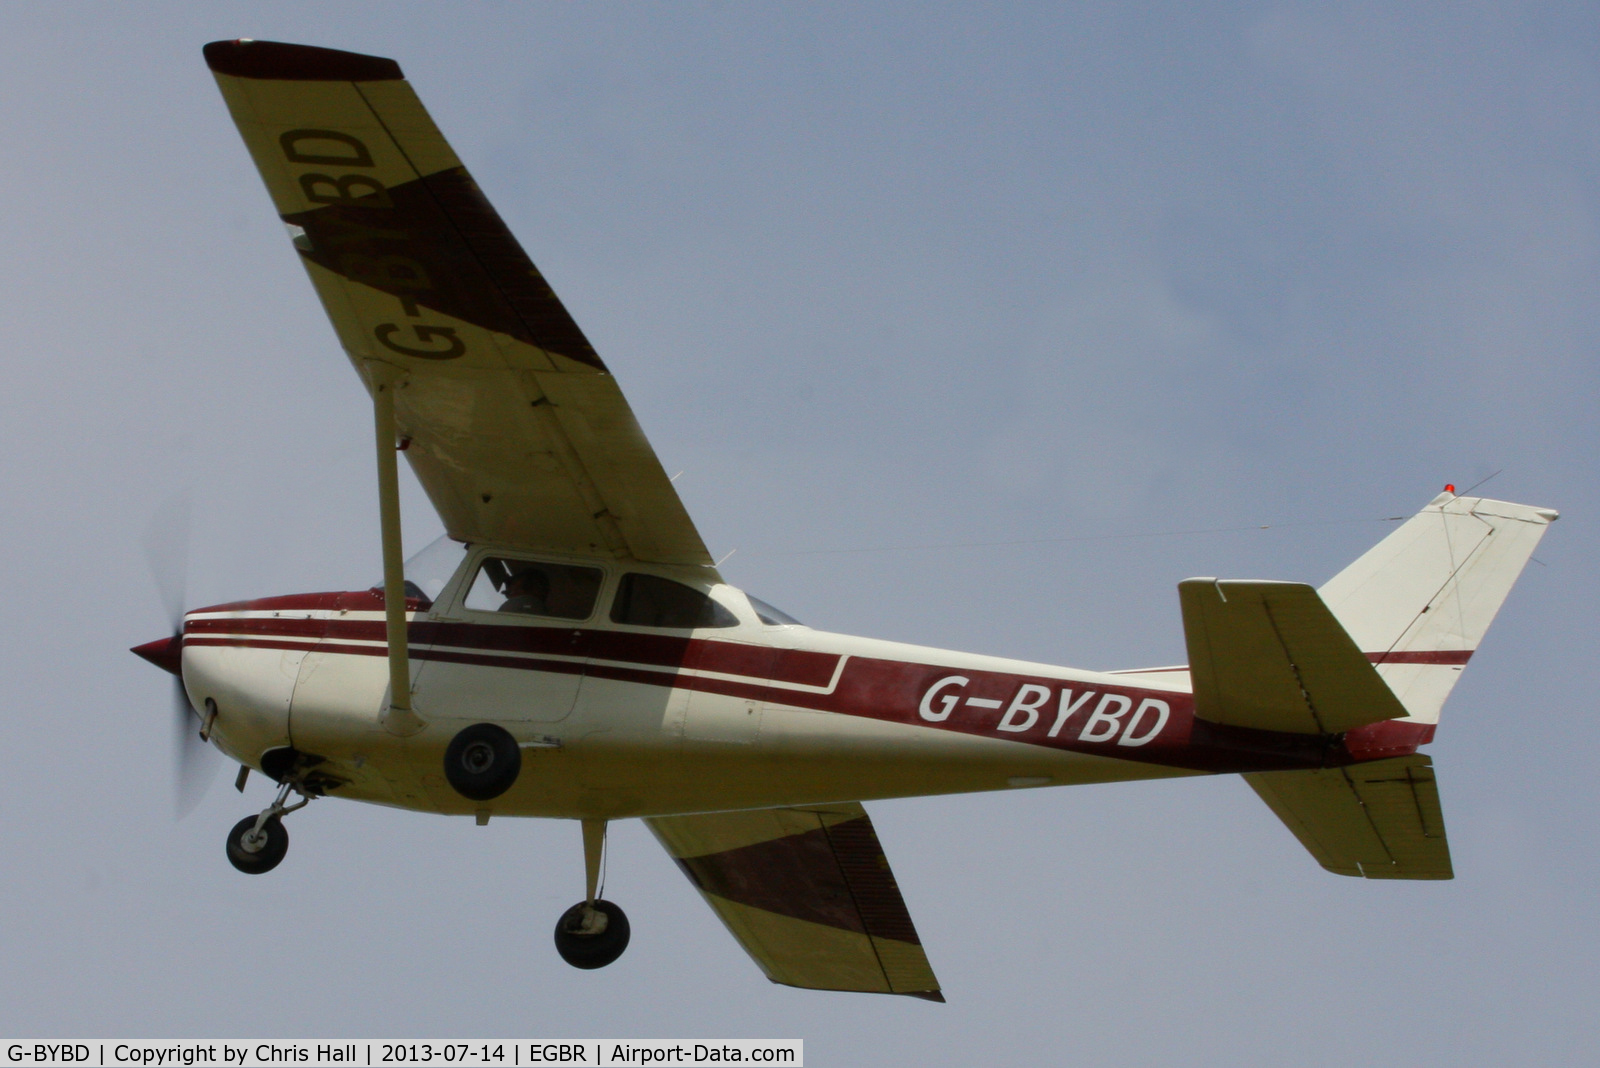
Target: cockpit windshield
x=430 y=568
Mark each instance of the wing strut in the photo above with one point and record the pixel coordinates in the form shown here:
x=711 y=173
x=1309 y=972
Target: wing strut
x=399 y=717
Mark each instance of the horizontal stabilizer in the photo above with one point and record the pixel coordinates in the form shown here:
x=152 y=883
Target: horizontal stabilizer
x=808 y=894
x=1270 y=655
x=1379 y=820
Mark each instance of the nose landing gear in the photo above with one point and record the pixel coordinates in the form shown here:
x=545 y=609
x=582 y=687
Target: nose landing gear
x=594 y=932
x=257 y=844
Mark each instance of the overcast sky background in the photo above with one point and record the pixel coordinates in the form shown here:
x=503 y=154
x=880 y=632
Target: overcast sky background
x=877 y=279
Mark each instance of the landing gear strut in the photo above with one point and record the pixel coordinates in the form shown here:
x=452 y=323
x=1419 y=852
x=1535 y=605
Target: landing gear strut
x=258 y=843
x=594 y=932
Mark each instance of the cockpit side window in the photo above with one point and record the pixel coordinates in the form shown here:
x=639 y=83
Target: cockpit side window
x=535 y=588
x=652 y=601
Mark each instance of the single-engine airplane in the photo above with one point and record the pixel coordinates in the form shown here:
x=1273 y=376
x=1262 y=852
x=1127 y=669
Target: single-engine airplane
x=569 y=649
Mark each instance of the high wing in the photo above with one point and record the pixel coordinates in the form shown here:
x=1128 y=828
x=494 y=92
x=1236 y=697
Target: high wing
x=513 y=425
x=808 y=893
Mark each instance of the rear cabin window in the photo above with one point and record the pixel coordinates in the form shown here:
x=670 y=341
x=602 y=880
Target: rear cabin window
x=651 y=601
x=530 y=588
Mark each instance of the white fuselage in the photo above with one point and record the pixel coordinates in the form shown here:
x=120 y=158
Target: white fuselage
x=617 y=720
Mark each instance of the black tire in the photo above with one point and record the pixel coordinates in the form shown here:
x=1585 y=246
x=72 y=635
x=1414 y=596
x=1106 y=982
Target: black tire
x=482 y=761
x=592 y=950
x=267 y=856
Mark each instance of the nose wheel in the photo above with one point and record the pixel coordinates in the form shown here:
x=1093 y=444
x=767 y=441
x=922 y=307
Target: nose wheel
x=594 y=932
x=255 y=847
x=257 y=844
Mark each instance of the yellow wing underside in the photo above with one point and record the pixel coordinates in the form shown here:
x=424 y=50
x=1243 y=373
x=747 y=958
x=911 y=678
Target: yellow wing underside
x=808 y=893
x=513 y=425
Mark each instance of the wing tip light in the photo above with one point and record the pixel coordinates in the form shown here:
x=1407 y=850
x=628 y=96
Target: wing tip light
x=244 y=58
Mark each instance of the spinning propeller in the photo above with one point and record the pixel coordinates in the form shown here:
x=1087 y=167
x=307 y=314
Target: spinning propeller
x=166 y=549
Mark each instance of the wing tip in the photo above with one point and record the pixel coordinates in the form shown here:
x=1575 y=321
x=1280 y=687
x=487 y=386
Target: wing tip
x=245 y=58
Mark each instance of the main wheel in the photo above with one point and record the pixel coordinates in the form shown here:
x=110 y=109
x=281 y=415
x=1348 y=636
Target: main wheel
x=254 y=854
x=482 y=761
x=595 y=949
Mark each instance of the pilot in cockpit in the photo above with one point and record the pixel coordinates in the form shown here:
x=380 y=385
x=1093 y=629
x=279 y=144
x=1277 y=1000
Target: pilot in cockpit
x=528 y=591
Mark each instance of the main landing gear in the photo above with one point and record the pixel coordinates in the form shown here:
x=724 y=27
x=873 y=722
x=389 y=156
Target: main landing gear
x=258 y=843
x=594 y=932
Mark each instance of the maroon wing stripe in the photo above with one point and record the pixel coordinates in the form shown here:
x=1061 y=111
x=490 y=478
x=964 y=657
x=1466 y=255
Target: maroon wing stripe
x=297 y=63
x=866 y=870
x=547 y=322
x=796 y=875
x=466 y=262
x=836 y=876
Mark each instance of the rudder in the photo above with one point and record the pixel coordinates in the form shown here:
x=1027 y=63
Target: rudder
x=1419 y=601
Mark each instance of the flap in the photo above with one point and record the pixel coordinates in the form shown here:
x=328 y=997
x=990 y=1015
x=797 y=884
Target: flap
x=1270 y=655
x=516 y=430
x=1380 y=820
x=808 y=893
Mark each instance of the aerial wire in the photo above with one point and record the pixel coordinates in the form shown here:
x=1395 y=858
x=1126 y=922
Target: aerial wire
x=1478 y=483
x=936 y=546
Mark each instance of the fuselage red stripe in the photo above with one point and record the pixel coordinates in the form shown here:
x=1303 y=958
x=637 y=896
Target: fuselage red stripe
x=792 y=666
x=860 y=686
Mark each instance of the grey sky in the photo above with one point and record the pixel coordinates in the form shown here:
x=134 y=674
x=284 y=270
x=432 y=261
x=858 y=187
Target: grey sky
x=873 y=277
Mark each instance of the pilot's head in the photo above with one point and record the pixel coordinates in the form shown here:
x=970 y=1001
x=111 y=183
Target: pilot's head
x=530 y=583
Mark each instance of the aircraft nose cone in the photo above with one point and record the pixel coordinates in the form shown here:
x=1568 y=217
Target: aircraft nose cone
x=164 y=653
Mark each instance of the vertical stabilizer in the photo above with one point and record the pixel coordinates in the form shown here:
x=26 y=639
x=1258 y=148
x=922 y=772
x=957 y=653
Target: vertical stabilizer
x=1419 y=601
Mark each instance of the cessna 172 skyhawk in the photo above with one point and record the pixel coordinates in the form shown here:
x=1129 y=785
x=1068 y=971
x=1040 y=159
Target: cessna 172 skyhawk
x=584 y=660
